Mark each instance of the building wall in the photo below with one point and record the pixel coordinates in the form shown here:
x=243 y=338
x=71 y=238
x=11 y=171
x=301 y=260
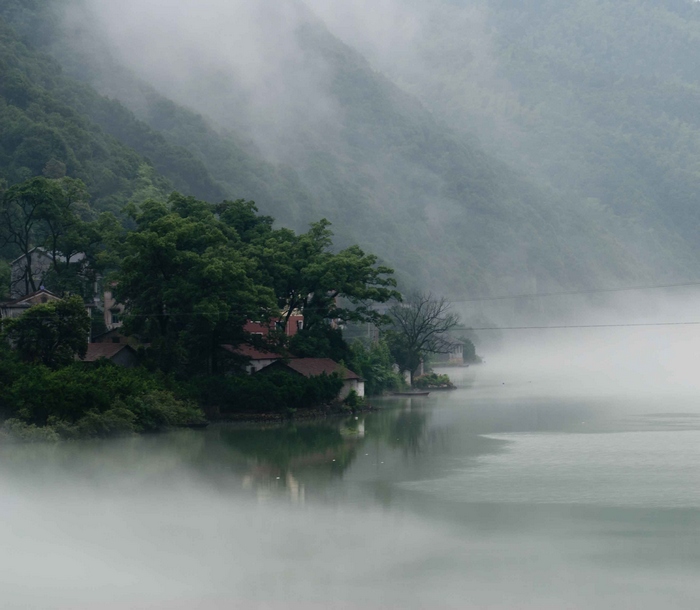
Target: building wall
x=256 y=365
x=41 y=264
x=352 y=384
x=125 y=358
x=113 y=311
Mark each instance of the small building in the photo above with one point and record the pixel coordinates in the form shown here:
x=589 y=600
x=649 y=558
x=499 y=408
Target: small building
x=290 y=328
x=258 y=357
x=119 y=353
x=456 y=355
x=312 y=367
x=116 y=336
x=113 y=311
x=32 y=270
x=14 y=309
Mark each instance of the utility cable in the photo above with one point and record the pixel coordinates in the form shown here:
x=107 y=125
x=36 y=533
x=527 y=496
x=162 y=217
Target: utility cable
x=574 y=292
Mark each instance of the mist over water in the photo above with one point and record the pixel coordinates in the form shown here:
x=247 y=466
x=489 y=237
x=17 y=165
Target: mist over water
x=560 y=473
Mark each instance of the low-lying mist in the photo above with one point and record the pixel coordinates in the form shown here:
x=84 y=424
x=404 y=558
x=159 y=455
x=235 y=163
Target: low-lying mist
x=631 y=346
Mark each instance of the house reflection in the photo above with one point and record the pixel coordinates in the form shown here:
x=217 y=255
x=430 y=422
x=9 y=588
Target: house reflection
x=287 y=459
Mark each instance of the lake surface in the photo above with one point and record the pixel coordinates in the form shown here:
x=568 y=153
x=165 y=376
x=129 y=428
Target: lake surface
x=505 y=493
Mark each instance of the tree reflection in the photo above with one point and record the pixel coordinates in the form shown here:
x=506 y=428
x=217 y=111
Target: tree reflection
x=293 y=446
x=404 y=429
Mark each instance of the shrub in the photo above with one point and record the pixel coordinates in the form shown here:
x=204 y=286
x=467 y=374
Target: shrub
x=160 y=409
x=375 y=365
x=432 y=380
x=19 y=431
x=275 y=392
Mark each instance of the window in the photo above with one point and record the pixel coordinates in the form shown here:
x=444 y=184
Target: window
x=115 y=318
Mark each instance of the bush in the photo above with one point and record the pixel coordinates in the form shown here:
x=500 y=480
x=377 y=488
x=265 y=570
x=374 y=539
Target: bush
x=432 y=380
x=160 y=409
x=375 y=365
x=274 y=392
x=354 y=401
x=87 y=401
x=15 y=430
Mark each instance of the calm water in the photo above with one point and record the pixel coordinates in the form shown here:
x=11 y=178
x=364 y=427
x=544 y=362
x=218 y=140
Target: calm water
x=502 y=494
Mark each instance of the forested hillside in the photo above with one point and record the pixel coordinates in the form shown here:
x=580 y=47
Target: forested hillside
x=601 y=196
x=597 y=99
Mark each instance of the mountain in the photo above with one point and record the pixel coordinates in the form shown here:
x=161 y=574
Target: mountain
x=597 y=100
x=394 y=171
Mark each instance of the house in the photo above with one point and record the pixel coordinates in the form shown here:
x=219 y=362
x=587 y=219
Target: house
x=290 y=328
x=312 y=367
x=31 y=270
x=455 y=356
x=117 y=337
x=113 y=311
x=259 y=358
x=14 y=309
x=119 y=353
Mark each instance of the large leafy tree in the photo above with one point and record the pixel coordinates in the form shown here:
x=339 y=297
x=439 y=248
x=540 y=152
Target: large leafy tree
x=328 y=288
x=187 y=284
x=52 y=214
x=52 y=334
x=420 y=326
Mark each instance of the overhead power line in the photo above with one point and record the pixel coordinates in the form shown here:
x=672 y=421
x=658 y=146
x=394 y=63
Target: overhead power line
x=507 y=297
x=565 y=326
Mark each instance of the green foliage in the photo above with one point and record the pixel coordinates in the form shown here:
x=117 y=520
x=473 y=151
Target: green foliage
x=54 y=216
x=51 y=334
x=376 y=366
x=86 y=401
x=188 y=285
x=40 y=127
x=16 y=430
x=320 y=341
x=274 y=392
x=159 y=409
x=279 y=446
x=354 y=401
x=470 y=356
x=432 y=380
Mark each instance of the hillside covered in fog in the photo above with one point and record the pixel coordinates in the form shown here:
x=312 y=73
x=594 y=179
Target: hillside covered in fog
x=476 y=147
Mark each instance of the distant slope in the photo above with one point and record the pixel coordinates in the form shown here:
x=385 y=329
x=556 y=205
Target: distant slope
x=39 y=124
x=597 y=99
x=424 y=196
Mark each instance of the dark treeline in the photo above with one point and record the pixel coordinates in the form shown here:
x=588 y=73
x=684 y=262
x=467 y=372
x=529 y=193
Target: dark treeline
x=191 y=275
x=390 y=177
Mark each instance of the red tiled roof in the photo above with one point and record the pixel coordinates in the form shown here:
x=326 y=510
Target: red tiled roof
x=310 y=367
x=96 y=351
x=251 y=352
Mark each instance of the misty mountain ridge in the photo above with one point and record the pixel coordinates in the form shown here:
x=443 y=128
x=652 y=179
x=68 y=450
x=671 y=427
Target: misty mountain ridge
x=399 y=180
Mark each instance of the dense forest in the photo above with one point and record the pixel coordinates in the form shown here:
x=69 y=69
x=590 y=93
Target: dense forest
x=595 y=99
x=584 y=172
x=192 y=277
x=391 y=176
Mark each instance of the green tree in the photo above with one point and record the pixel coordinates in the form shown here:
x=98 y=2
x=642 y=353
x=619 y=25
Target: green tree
x=52 y=334
x=375 y=364
x=54 y=215
x=328 y=288
x=187 y=284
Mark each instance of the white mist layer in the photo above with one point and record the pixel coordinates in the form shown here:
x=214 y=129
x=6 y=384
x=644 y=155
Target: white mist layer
x=641 y=344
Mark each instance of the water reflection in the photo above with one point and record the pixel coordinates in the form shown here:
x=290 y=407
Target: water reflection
x=473 y=498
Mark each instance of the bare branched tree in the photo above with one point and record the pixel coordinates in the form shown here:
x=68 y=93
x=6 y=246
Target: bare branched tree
x=420 y=326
